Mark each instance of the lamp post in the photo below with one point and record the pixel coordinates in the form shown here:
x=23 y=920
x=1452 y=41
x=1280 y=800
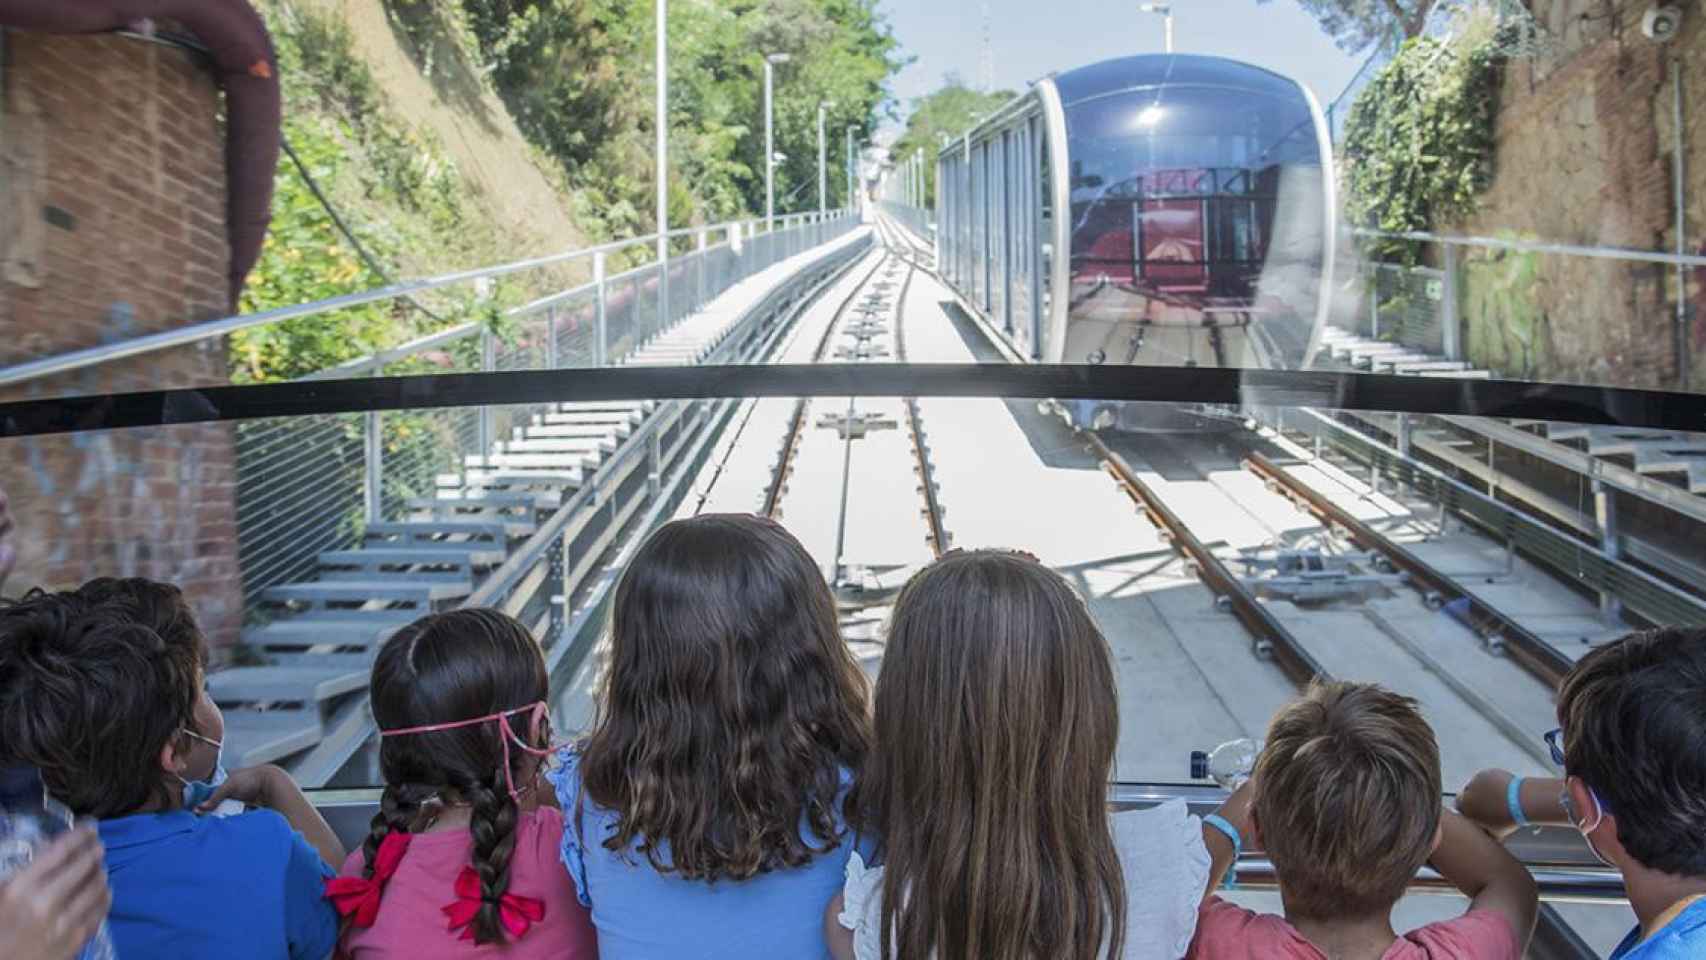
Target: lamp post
x=1166 y=12
x=770 y=62
x=852 y=170
x=662 y=122
x=822 y=170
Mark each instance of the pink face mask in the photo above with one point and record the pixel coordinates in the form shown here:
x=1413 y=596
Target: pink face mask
x=536 y=717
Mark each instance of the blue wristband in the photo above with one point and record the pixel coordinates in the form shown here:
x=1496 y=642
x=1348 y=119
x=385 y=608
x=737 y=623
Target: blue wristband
x=1513 y=800
x=1225 y=826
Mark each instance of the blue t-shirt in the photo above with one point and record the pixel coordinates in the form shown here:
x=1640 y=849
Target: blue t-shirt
x=1683 y=938
x=642 y=914
x=190 y=886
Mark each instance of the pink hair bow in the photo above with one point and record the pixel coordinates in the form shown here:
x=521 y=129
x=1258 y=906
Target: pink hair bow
x=360 y=895
x=517 y=913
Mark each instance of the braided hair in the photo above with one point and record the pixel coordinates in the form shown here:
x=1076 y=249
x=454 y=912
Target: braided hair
x=443 y=668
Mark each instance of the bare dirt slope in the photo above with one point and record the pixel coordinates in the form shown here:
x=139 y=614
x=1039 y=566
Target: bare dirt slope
x=432 y=84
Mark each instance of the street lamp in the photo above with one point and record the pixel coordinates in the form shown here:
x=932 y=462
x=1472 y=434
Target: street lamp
x=1166 y=11
x=662 y=122
x=822 y=174
x=852 y=201
x=770 y=62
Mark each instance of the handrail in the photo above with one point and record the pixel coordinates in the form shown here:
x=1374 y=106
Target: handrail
x=193 y=333
x=1536 y=246
x=1558 y=859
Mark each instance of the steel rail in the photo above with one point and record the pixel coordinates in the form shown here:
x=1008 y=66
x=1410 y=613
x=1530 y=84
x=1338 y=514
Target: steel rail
x=939 y=538
x=797 y=421
x=1271 y=636
x=1537 y=656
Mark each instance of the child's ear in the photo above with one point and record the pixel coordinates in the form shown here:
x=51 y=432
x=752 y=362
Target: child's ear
x=172 y=760
x=1254 y=840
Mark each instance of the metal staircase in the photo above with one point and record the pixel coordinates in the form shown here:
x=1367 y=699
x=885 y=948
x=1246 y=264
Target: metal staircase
x=306 y=706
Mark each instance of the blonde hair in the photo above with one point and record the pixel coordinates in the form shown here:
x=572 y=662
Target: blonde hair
x=1347 y=797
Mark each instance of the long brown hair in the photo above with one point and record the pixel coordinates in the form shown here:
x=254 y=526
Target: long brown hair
x=996 y=722
x=733 y=710
x=439 y=669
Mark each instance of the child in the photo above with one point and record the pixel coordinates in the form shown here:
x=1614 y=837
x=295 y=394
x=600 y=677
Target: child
x=997 y=718
x=705 y=807
x=1633 y=742
x=1345 y=800
x=461 y=858
x=102 y=690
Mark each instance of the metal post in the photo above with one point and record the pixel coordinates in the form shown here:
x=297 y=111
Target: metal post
x=662 y=124
x=822 y=169
x=1605 y=518
x=488 y=362
x=373 y=472
x=1684 y=336
x=654 y=464
x=551 y=337
x=601 y=343
x=703 y=242
x=1168 y=20
x=770 y=61
x=1451 y=332
x=848 y=202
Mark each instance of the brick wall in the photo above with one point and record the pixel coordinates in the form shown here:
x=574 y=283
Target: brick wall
x=1584 y=146
x=112 y=190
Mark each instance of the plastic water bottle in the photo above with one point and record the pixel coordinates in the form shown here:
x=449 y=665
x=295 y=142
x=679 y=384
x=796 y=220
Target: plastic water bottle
x=1229 y=764
x=29 y=819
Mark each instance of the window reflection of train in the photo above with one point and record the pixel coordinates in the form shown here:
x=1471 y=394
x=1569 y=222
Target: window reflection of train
x=1192 y=197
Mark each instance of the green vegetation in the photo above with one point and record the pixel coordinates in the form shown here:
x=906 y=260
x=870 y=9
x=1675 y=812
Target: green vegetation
x=577 y=75
x=396 y=190
x=1357 y=25
x=948 y=112
x=1418 y=144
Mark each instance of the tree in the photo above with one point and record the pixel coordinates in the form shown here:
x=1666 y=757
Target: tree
x=1356 y=25
x=950 y=112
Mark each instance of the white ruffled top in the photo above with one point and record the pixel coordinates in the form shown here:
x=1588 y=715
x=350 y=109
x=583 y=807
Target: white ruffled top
x=1162 y=858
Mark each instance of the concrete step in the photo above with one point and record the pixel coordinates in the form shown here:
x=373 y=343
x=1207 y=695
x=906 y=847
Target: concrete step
x=396 y=590
x=517 y=499
x=585 y=418
x=554 y=462
x=417 y=532
x=639 y=407
x=266 y=736
x=1668 y=459
x=1417 y=366
x=542 y=482
x=1634 y=445
x=283 y=684
x=348 y=629
x=1457 y=374
x=379 y=560
x=559 y=445
x=539 y=429
x=358 y=662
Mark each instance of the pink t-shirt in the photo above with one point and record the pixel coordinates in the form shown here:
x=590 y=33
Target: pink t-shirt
x=411 y=924
x=1226 y=931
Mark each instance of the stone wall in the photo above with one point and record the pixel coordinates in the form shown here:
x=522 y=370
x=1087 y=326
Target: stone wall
x=112 y=225
x=1584 y=146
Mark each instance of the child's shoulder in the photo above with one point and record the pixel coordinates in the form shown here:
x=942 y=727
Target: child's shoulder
x=260 y=826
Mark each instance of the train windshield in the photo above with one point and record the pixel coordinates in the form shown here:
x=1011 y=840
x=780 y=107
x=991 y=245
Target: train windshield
x=1197 y=228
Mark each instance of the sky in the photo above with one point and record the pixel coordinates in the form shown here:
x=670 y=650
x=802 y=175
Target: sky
x=1032 y=38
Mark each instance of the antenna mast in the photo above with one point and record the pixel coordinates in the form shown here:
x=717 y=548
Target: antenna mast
x=986 y=68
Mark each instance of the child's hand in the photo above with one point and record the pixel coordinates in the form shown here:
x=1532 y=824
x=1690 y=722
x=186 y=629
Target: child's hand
x=269 y=786
x=251 y=786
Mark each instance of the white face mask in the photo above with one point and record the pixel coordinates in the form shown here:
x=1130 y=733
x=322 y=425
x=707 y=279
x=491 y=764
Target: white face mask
x=1587 y=830
x=196 y=792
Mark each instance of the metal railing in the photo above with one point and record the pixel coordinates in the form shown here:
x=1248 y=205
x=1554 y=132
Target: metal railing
x=1469 y=302
x=390 y=464
x=311 y=484
x=917 y=219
